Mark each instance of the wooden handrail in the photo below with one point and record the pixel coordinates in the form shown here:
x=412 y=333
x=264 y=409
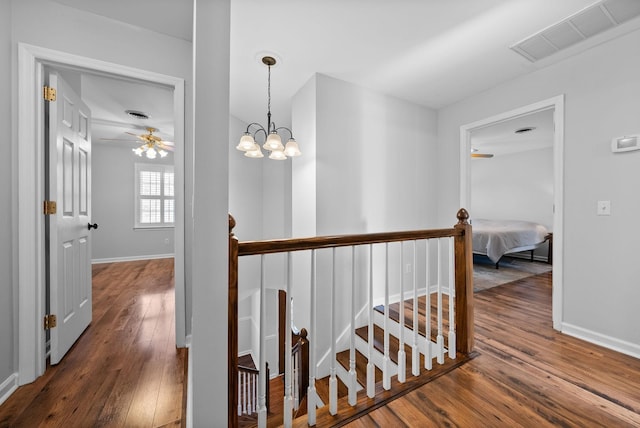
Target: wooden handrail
x=247 y=248
x=248 y=369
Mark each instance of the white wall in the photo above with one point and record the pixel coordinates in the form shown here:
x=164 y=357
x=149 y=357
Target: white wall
x=517 y=186
x=113 y=207
x=602 y=89
x=208 y=353
x=8 y=296
x=371 y=167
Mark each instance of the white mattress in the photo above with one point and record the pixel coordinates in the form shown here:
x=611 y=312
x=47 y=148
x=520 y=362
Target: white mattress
x=496 y=238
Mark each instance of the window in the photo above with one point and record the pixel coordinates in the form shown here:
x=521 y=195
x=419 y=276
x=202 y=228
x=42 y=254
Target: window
x=155 y=205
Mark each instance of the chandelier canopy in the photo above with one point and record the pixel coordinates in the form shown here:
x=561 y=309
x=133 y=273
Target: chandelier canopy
x=272 y=139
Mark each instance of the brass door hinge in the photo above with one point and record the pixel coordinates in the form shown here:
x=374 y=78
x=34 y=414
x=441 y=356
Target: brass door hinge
x=50 y=207
x=49 y=93
x=50 y=321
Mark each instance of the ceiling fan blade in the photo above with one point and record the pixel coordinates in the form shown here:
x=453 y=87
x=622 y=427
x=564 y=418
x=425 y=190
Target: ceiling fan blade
x=165 y=147
x=167 y=143
x=119 y=139
x=482 y=155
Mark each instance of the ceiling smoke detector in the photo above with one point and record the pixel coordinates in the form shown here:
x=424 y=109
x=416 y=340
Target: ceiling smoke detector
x=137 y=114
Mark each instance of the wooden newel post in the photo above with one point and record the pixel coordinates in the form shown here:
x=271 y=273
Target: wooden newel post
x=233 y=326
x=464 y=283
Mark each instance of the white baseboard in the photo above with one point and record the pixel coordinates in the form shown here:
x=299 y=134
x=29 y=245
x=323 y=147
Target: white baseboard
x=7 y=387
x=609 y=342
x=131 y=258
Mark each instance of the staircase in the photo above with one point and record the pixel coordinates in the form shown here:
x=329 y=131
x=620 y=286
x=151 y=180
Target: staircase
x=365 y=404
x=399 y=349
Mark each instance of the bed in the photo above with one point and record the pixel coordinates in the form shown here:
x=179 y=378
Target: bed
x=495 y=238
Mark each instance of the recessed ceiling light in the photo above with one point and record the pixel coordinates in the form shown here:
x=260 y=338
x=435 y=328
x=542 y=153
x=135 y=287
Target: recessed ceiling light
x=137 y=114
x=523 y=130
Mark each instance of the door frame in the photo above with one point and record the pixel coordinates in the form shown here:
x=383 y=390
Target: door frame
x=29 y=147
x=557 y=104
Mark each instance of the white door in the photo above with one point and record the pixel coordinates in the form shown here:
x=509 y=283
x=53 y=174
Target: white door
x=69 y=235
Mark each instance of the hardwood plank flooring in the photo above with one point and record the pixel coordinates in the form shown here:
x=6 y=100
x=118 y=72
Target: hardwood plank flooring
x=125 y=369
x=526 y=374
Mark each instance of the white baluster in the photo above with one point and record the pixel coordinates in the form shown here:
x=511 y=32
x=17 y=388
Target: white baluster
x=371 y=368
x=428 y=356
x=249 y=394
x=452 y=295
x=415 y=352
x=386 y=371
x=252 y=393
x=262 y=387
x=288 y=396
x=440 y=338
x=311 y=390
x=333 y=382
x=249 y=398
x=402 y=357
x=240 y=393
x=296 y=384
x=353 y=380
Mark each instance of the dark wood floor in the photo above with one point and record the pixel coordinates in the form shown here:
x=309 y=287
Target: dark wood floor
x=125 y=370
x=527 y=374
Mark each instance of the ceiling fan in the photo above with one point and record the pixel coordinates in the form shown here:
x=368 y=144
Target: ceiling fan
x=152 y=144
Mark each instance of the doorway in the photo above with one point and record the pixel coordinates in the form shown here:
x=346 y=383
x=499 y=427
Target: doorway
x=556 y=105
x=31 y=231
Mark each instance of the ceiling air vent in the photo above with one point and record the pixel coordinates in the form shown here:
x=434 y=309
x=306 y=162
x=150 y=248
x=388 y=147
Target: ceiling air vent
x=137 y=114
x=593 y=20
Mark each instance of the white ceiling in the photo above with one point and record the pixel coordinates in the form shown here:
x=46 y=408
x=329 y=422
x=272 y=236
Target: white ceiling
x=430 y=52
x=501 y=139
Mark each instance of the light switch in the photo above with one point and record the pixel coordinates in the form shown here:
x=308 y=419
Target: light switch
x=604 y=207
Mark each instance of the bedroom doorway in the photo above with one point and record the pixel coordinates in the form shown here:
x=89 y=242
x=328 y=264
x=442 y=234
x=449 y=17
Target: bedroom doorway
x=31 y=264
x=511 y=168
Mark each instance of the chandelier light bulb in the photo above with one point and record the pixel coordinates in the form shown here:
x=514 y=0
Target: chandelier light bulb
x=273 y=143
x=246 y=142
x=138 y=151
x=292 y=149
x=151 y=153
x=277 y=155
x=162 y=153
x=255 y=153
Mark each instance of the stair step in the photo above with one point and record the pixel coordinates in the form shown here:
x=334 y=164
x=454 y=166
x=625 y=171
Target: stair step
x=322 y=389
x=361 y=366
x=378 y=342
x=394 y=314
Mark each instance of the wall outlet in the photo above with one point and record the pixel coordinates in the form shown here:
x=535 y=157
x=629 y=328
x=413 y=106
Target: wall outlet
x=407 y=268
x=604 y=207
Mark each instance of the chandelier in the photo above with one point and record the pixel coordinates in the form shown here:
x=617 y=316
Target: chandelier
x=272 y=139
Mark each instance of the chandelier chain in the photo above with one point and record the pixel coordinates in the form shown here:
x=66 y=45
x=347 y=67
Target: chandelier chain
x=269 y=97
